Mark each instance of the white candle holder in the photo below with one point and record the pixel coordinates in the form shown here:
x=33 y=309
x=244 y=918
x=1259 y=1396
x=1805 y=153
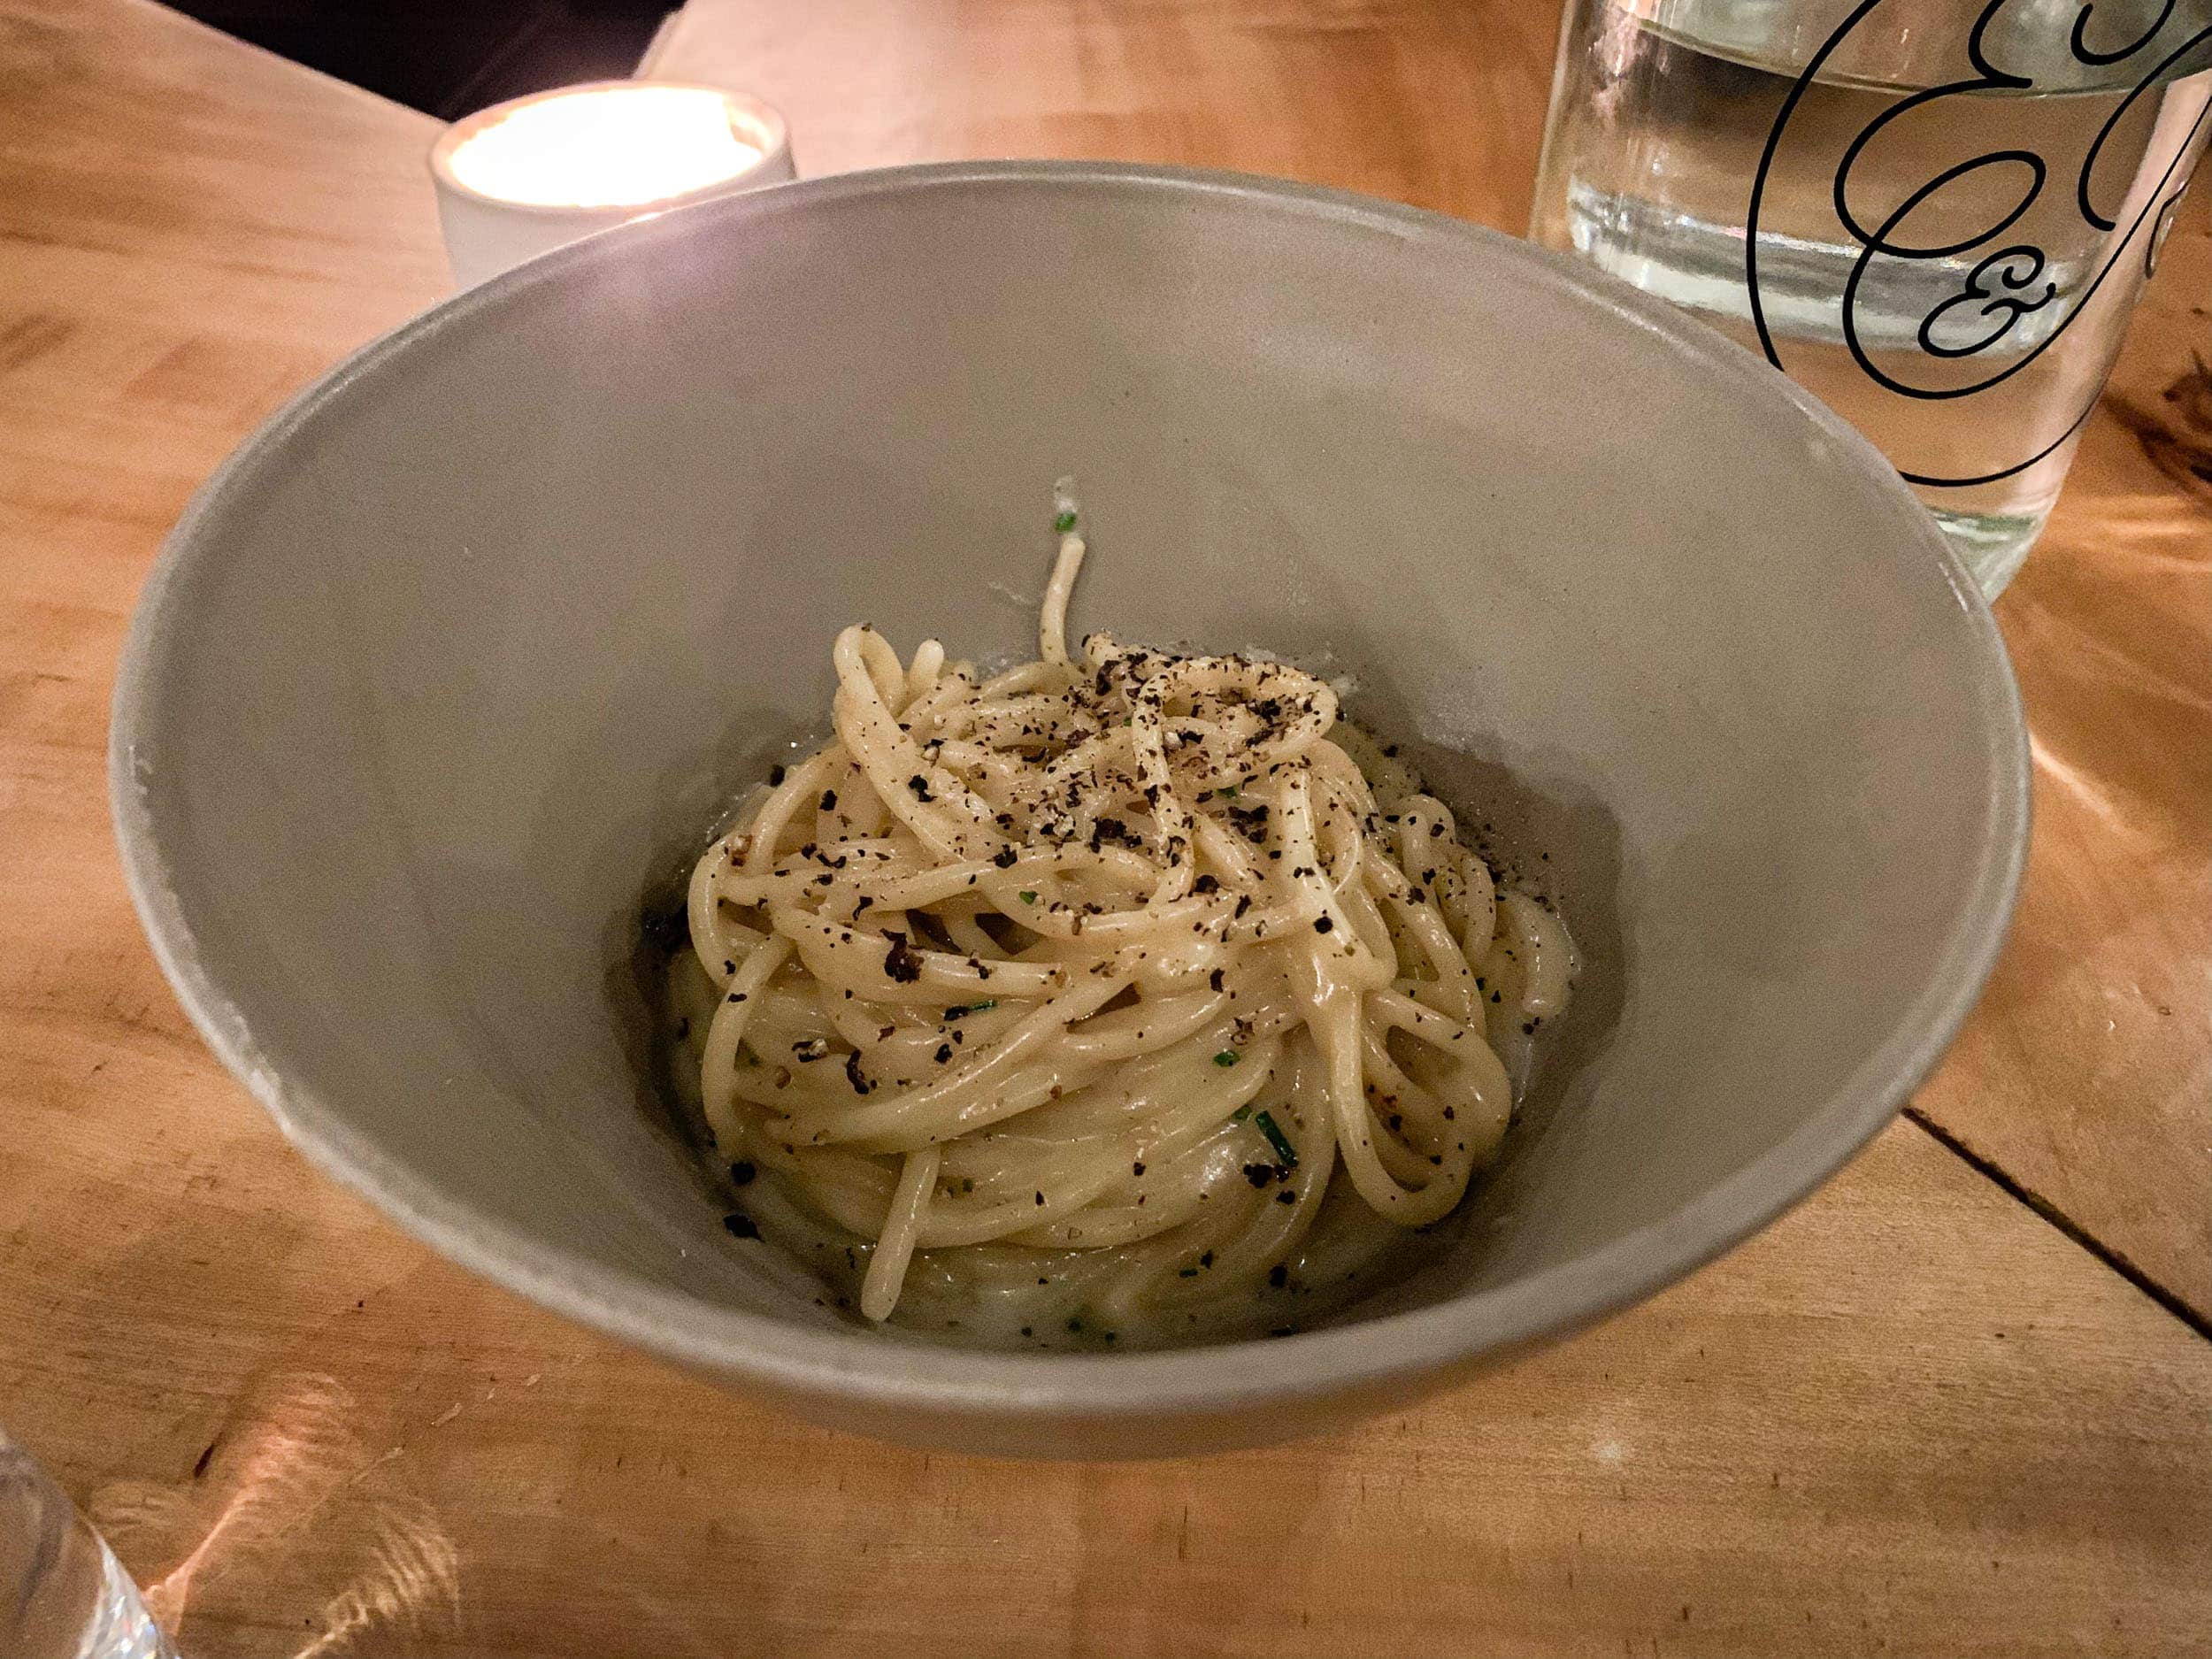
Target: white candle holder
x=522 y=177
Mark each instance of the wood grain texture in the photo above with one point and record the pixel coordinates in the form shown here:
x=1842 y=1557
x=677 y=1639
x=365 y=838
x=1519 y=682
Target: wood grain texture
x=1911 y=1417
x=1438 y=103
x=2087 y=1073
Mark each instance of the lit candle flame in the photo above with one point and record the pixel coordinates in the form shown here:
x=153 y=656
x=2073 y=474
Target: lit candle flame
x=606 y=147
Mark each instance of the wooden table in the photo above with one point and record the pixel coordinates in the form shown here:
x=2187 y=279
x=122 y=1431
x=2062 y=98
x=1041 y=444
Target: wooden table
x=1961 y=1401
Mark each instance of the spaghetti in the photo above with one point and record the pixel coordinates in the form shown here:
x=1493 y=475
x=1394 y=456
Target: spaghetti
x=1121 y=997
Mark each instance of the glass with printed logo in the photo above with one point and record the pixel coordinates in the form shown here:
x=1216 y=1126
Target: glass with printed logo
x=1935 y=215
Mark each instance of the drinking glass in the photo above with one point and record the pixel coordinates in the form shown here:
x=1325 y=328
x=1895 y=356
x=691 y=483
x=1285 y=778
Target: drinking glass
x=1935 y=215
x=62 y=1594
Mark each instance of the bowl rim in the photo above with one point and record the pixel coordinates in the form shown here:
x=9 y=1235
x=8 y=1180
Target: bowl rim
x=861 y=1370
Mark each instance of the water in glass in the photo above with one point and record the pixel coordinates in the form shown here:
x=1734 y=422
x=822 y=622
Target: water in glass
x=1935 y=215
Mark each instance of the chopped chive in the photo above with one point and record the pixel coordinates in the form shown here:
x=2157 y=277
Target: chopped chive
x=1028 y=895
x=1187 y=1273
x=1229 y=791
x=1239 y=1115
x=1065 y=523
x=1227 y=1056
x=1277 y=1139
x=958 y=1009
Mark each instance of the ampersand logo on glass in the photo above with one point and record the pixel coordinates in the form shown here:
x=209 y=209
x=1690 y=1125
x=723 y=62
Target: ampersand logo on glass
x=1989 y=215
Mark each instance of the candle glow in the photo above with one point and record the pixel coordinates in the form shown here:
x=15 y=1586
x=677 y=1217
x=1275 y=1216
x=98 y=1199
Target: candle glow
x=606 y=147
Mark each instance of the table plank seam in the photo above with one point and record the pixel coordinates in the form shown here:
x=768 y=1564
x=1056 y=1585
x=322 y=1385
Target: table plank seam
x=2116 y=1260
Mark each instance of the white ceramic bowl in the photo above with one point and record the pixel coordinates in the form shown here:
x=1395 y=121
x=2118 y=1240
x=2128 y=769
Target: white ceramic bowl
x=453 y=663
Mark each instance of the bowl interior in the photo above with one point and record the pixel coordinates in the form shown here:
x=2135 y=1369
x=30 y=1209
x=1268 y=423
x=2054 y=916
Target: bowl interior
x=460 y=661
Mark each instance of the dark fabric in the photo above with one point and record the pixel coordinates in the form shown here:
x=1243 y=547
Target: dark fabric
x=446 y=56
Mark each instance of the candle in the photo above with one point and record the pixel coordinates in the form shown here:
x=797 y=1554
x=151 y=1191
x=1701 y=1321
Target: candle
x=611 y=147
x=521 y=177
